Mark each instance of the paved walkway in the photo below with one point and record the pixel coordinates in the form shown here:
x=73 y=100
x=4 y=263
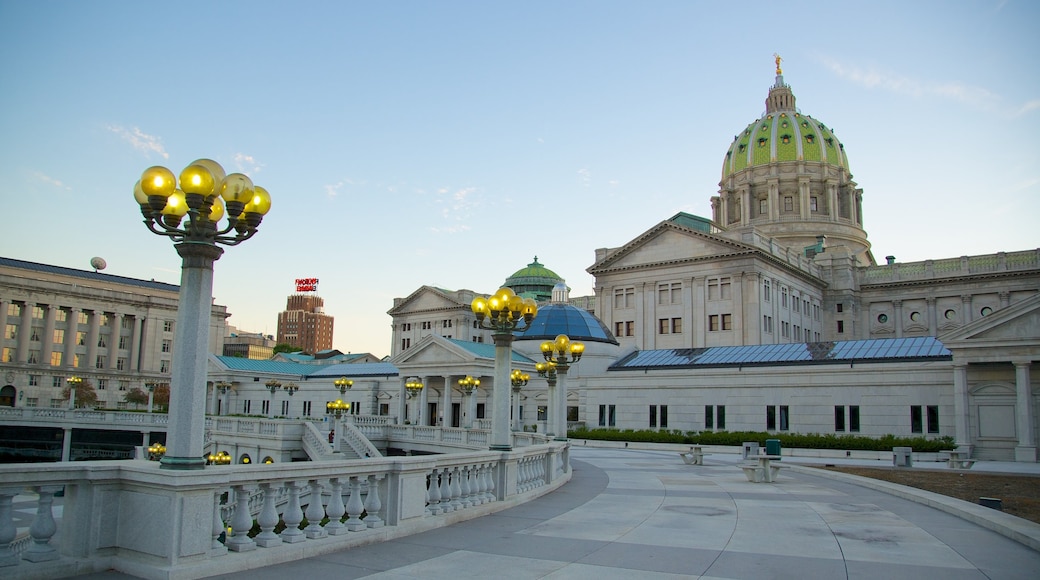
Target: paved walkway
x=644 y=514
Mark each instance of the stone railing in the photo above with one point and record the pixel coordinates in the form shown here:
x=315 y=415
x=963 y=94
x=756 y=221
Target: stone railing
x=135 y=518
x=962 y=266
x=39 y=416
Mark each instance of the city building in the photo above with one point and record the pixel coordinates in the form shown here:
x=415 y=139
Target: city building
x=254 y=345
x=115 y=332
x=304 y=324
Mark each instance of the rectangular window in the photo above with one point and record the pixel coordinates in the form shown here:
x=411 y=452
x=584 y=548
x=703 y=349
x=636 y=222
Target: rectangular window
x=916 y=419
x=102 y=384
x=11 y=331
x=653 y=416
x=763 y=206
x=55 y=358
x=60 y=315
x=34 y=357
x=167 y=326
x=709 y=417
x=727 y=322
x=619 y=329
x=35 y=335
x=796 y=304
x=37 y=312
x=766 y=290
x=164 y=366
x=767 y=324
x=59 y=336
x=713 y=322
x=813 y=203
x=14 y=309
x=124 y=385
x=785 y=418
x=839 y=418
x=167 y=345
x=57 y=403
x=122 y=405
x=127 y=322
x=662 y=326
x=384 y=409
x=854 y=418
x=933 y=418
x=841 y=326
x=285 y=408
x=56 y=382
x=659 y=416
x=788 y=204
x=677 y=326
x=542 y=412
x=572 y=414
x=121 y=364
x=669 y=293
x=480 y=410
x=34 y=380
x=101 y=342
x=720 y=417
x=783 y=296
x=606 y=415
x=124 y=342
x=624 y=297
x=770 y=417
x=247 y=406
x=840 y=307
x=32 y=402
x=81 y=338
x=306 y=408
x=99 y=362
x=630 y=328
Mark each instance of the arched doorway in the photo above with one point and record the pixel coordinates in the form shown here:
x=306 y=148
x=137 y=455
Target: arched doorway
x=7 y=396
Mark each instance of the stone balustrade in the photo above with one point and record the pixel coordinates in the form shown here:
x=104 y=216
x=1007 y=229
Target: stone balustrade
x=135 y=518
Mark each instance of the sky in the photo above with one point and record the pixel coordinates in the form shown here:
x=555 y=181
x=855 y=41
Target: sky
x=448 y=143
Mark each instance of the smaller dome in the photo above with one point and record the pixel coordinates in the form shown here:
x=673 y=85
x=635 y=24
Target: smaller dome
x=576 y=323
x=535 y=281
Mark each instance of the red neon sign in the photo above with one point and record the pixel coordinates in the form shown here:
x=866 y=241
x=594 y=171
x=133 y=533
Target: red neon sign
x=306 y=284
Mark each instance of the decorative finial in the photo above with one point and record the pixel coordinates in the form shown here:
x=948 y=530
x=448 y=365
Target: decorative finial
x=779 y=71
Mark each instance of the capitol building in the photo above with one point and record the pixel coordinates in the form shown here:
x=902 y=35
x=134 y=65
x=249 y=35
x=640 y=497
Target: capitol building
x=772 y=314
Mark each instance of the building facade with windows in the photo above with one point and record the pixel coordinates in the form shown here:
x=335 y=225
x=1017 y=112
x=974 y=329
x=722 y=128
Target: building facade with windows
x=304 y=324
x=115 y=332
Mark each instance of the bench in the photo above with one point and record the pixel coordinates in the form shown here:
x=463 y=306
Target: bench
x=762 y=470
x=959 y=460
x=695 y=456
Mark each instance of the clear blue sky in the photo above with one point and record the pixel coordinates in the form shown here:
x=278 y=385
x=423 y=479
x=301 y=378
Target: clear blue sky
x=447 y=143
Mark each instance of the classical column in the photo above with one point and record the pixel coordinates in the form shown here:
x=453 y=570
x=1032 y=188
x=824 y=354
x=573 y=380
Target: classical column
x=446 y=403
x=24 y=332
x=933 y=320
x=115 y=325
x=966 y=315
x=402 y=401
x=420 y=413
x=71 y=330
x=47 y=340
x=92 y=338
x=1024 y=420
x=66 y=442
x=961 y=407
x=134 y=356
x=898 y=315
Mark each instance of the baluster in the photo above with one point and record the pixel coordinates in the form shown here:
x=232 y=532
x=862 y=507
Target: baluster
x=336 y=509
x=268 y=518
x=478 y=485
x=445 y=504
x=521 y=475
x=315 y=513
x=355 y=507
x=373 y=504
x=8 y=531
x=464 y=491
x=218 y=524
x=433 y=494
x=489 y=476
x=43 y=527
x=292 y=516
x=456 y=490
x=241 y=522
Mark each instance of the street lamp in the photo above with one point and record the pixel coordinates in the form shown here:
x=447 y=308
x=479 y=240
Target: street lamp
x=562 y=352
x=469 y=387
x=518 y=379
x=219 y=458
x=272 y=386
x=336 y=409
x=503 y=313
x=74 y=383
x=156 y=451
x=204 y=196
x=414 y=387
x=151 y=395
x=290 y=388
x=224 y=387
x=343 y=384
x=547 y=370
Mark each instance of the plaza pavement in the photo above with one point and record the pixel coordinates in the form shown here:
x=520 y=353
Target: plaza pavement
x=644 y=514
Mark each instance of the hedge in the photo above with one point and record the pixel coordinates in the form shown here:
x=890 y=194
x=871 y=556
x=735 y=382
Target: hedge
x=737 y=438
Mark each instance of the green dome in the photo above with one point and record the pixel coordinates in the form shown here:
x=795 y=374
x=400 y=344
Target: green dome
x=783 y=134
x=535 y=281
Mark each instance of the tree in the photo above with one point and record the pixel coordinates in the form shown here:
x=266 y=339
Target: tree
x=136 y=396
x=285 y=347
x=161 y=396
x=86 y=396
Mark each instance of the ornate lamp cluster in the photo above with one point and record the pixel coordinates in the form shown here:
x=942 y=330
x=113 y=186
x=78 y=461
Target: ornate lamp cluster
x=219 y=458
x=414 y=387
x=205 y=195
x=503 y=311
x=518 y=379
x=343 y=384
x=337 y=408
x=291 y=388
x=468 y=384
x=156 y=451
x=562 y=351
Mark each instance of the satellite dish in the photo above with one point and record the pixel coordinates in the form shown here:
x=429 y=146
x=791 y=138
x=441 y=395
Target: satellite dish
x=98 y=263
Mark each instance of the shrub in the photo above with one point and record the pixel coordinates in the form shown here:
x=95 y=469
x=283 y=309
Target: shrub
x=737 y=438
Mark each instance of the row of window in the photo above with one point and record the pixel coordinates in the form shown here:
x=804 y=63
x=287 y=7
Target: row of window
x=788 y=299
x=428 y=325
x=78 y=360
x=778 y=417
x=671 y=293
x=61 y=315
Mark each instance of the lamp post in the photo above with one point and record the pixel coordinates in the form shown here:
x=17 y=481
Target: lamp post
x=343 y=384
x=503 y=313
x=205 y=191
x=414 y=387
x=219 y=458
x=518 y=379
x=273 y=386
x=561 y=353
x=336 y=409
x=74 y=383
x=156 y=451
x=223 y=387
x=469 y=387
x=290 y=388
x=547 y=370
x=151 y=395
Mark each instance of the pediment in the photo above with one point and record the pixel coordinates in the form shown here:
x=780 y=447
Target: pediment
x=434 y=351
x=1018 y=324
x=426 y=299
x=667 y=243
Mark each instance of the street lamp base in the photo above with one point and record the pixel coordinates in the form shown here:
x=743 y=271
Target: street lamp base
x=501 y=448
x=182 y=463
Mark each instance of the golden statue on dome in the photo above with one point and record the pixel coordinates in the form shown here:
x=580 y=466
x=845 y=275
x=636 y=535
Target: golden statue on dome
x=779 y=71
